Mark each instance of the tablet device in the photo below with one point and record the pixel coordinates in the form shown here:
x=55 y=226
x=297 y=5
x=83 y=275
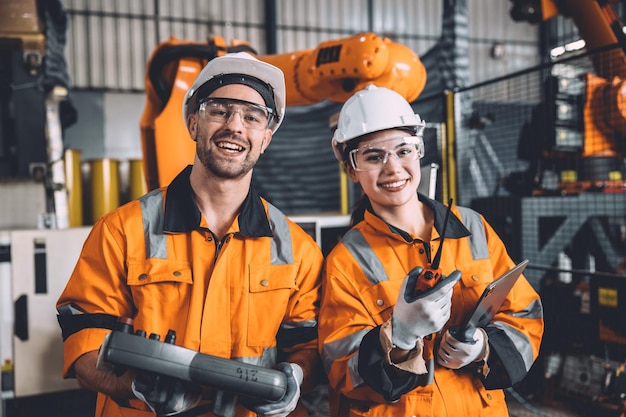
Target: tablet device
x=493 y=296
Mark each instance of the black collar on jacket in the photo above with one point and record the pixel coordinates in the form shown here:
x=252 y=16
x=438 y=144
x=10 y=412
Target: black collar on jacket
x=454 y=230
x=182 y=214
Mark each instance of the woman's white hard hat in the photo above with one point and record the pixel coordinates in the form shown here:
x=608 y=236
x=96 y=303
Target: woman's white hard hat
x=240 y=68
x=370 y=110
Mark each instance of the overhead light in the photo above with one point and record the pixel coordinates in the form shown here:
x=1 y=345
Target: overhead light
x=575 y=46
x=555 y=52
x=570 y=47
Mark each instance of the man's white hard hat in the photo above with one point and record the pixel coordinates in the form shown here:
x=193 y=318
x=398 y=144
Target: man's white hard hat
x=240 y=68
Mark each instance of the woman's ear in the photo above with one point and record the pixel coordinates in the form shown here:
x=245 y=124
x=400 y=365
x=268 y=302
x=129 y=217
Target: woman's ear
x=350 y=172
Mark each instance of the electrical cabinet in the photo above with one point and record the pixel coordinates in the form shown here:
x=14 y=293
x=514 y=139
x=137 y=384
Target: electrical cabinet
x=34 y=268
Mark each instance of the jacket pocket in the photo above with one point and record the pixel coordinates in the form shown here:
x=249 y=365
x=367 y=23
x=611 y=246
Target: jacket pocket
x=270 y=287
x=411 y=404
x=161 y=294
x=380 y=298
x=475 y=276
x=494 y=403
x=153 y=271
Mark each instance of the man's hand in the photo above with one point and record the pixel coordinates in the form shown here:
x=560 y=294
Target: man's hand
x=454 y=354
x=165 y=396
x=289 y=401
x=416 y=316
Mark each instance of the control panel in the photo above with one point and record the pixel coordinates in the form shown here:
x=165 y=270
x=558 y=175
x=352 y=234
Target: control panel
x=126 y=348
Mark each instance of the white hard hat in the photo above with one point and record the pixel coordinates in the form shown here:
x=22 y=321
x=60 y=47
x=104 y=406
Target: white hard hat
x=239 y=68
x=373 y=109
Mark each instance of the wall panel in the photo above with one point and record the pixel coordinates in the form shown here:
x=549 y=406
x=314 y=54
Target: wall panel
x=110 y=42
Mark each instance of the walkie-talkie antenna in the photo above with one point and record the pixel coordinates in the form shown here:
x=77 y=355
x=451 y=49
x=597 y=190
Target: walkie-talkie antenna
x=429 y=277
x=437 y=259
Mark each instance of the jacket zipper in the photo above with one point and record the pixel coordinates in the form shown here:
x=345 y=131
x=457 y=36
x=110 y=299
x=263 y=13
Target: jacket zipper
x=219 y=244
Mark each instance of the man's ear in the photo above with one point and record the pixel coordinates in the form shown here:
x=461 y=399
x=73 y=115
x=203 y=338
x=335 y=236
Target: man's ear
x=267 y=138
x=192 y=126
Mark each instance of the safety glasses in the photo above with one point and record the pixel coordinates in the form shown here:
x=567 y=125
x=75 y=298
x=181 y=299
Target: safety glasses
x=375 y=155
x=220 y=110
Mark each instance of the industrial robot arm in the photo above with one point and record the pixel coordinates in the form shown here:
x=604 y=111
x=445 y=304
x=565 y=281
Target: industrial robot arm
x=586 y=113
x=333 y=71
x=337 y=68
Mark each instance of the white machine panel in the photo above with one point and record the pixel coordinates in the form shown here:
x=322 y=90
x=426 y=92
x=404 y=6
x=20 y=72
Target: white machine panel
x=41 y=262
x=327 y=230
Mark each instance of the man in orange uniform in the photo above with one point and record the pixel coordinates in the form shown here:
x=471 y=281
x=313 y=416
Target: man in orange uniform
x=387 y=348
x=206 y=257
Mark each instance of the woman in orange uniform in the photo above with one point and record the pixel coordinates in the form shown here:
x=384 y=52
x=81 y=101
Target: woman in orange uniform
x=387 y=348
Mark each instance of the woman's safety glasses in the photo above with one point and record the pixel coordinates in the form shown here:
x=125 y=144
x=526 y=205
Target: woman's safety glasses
x=375 y=155
x=220 y=110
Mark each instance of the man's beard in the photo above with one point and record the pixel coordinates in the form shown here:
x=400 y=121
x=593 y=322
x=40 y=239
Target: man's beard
x=222 y=166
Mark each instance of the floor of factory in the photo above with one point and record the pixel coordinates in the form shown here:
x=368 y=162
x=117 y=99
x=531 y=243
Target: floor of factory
x=558 y=407
x=81 y=404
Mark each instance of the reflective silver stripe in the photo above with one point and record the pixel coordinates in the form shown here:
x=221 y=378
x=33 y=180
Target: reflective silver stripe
x=282 y=250
x=266 y=360
x=371 y=266
x=341 y=347
x=69 y=310
x=152 y=216
x=478 y=239
x=520 y=341
x=353 y=371
x=533 y=311
x=299 y=324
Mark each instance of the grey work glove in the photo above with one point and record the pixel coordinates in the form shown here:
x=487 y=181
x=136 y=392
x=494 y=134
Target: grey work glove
x=165 y=396
x=289 y=401
x=416 y=316
x=454 y=354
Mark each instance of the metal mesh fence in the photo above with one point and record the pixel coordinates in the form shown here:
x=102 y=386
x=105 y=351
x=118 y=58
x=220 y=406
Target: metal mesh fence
x=540 y=154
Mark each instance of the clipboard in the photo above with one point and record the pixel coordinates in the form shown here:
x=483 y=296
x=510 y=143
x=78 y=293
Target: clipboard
x=490 y=301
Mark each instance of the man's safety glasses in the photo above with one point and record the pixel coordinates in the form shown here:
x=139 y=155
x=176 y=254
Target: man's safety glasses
x=375 y=155
x=220 y=110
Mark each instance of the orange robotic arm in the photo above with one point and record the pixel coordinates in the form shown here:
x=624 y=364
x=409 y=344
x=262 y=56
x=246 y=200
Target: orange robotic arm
x=599 y=26
x=332 y=71
x=605 y=91
x=337 y=68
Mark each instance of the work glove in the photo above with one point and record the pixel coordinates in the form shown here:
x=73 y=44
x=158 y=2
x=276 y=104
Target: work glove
x=416 y=316
x=289 y=401
x=165 y=396
x=454 y=354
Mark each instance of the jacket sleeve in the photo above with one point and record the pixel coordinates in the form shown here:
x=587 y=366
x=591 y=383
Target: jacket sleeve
x=297 y=338
x=383 y=378
x=94 y=297
x=516 y=332
x=349 y=341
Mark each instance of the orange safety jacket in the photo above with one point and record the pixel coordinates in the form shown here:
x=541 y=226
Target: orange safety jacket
x=253 y=296
x=360 y=286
